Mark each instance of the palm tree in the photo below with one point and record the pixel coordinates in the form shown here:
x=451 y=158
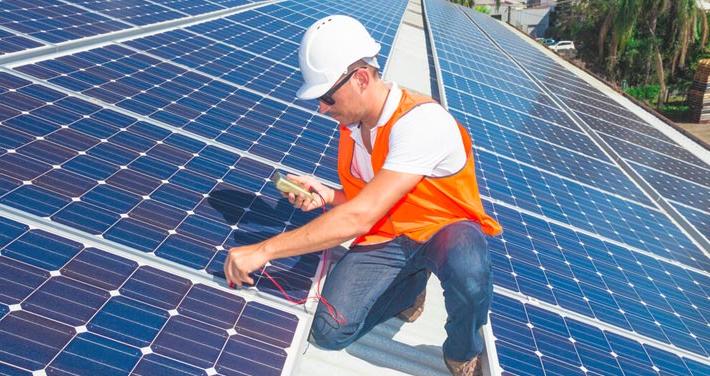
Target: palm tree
x=620 y=21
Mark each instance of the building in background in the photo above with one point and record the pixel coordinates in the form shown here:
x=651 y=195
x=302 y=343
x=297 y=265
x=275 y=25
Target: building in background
x=530 y=16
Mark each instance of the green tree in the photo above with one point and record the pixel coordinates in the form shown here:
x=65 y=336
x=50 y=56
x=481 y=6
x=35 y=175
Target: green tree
x=644 y=42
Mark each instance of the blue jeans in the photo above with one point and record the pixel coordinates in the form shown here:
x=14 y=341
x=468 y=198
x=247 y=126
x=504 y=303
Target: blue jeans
x=373 y=283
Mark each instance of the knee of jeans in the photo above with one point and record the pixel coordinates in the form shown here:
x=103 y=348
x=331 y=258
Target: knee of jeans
x=330 y=335
x=475 y=283
x=471 y=277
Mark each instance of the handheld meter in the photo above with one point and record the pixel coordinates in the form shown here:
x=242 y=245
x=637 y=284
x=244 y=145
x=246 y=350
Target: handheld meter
x=287 y=186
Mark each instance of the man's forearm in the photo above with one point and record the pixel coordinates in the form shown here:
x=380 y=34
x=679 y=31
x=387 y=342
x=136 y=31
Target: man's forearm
x=326 y=231
x=338 y=197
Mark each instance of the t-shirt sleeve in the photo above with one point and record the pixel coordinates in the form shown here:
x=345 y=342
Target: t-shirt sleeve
x=426 y=141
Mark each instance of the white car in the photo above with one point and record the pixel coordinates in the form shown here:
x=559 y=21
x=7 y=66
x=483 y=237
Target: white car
x=563 y=45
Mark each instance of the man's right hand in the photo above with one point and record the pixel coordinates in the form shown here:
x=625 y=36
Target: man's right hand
x=311 y=184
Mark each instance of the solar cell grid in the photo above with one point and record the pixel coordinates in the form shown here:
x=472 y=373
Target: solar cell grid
x=131 y=11
x=261 y=72
x=69 y=309
x=699 y=219
x=551 y=158
x=147 y=188
x=630 y=136
x=600 y=280
x=194 y=7
x=484 y=83
x=201 y=105
x=580 y=91
x=533 y=341
x=644 y=140
x=536 y=128
x=585 y=208
x=53 y=21
x=261 y=20
x=601 y=118
x=659 y=161
x=11 y=42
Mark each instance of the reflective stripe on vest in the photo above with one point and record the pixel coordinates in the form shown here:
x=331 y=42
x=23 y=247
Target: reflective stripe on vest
x=432 y=204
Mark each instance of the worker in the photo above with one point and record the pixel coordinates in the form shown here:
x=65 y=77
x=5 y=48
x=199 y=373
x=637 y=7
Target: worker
x=409 y=199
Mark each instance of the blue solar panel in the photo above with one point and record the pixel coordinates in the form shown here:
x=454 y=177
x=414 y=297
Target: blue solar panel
x=219 y=111
x=194 y=7
x=534 y=341
x=70 y=309
x=254 y=59
x=700 y=219
x=10 y=42
x=602 y=280
x=53 y=21
x=631 y=137
x=576 y=165
x=579 y=235
x=142 y=186
x=131 y=11
x=584 y=207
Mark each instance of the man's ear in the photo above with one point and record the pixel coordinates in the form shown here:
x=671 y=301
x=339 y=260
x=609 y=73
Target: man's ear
x=362 y=78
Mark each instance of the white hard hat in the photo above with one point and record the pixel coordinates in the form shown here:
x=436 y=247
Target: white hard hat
x=328 y=47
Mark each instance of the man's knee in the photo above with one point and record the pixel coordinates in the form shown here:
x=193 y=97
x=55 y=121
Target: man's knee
x=331 y=335
x=467 y=266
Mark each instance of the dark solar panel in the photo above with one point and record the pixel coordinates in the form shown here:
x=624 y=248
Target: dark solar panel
x=69 y=309
x=142 y=186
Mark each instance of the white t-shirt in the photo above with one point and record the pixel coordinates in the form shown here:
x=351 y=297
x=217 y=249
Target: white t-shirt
x=425 y=141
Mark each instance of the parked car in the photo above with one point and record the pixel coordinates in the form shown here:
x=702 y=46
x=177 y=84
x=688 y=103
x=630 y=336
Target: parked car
x=545 y=41
x=563 y=45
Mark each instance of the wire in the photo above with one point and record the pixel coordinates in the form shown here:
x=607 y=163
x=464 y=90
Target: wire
x=331 y=310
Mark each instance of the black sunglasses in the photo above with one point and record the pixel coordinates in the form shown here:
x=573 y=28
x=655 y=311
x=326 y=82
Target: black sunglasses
x=327 y=98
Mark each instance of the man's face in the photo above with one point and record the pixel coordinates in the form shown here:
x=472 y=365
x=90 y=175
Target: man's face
x=344 y=100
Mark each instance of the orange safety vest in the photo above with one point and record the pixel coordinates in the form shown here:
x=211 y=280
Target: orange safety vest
x=432 y=204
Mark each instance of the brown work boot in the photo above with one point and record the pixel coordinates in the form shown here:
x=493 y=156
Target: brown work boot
x=468 y=368
x=412 y=313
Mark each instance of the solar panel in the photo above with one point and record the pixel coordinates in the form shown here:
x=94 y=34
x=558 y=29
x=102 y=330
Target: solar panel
x=68 y=308
x=159 y=149
x=602 y=280
x=230 y=80
x=135 y=184
x=193 y=7
x=11 y=42
x=132 y=12
x=581 y=239
x=217 y=109
x=178 y=194
x=534 y=341
x=53 y=21
x=639 y=143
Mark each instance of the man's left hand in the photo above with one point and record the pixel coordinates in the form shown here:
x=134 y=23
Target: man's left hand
x=241 y=261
